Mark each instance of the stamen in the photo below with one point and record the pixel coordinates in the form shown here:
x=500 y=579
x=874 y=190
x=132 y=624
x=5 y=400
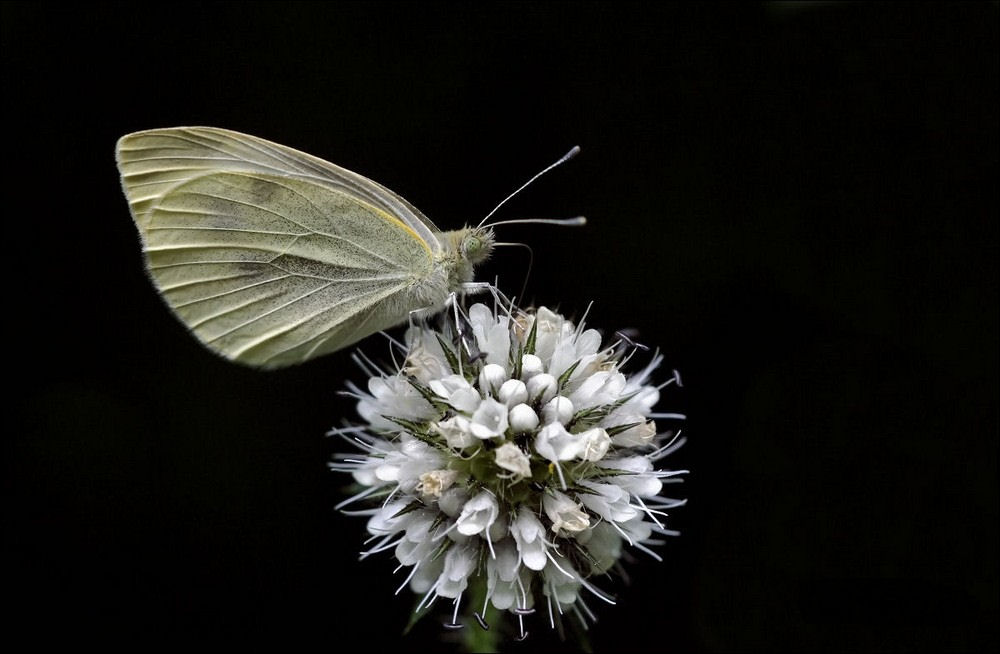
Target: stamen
x=668 y=416
x=583 y=318
x=548 y=600
x=523 y=610
x=427 y=595
x=580 y=616
x=636 y=344
x=445 y=532
x=361 y=512
x=365 y=364
x=390 y=496
x=363 y=494
x=360 y=355
x=408 y=578
x=562 y=480
x=662 y=451
x=667 y=532
x=597 y=592
x=340 y=431
x=593 y=618
x=381 y=547
x=552 y=558
x=650 y=512
x=621 y=531
x=489 y=542
x=640 y=546
x=524 y=634
x=662 y=474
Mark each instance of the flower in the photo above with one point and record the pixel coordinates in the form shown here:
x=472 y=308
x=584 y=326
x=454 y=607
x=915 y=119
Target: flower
x=565 y=514
x=510 y=457
x=514 y=460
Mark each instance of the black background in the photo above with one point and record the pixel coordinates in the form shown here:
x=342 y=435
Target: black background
x=796 y=203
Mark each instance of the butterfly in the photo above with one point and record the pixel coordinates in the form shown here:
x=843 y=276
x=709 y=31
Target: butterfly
x=272 y=257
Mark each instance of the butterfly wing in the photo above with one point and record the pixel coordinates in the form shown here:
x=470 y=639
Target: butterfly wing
x=269 y=256
x=153 y=161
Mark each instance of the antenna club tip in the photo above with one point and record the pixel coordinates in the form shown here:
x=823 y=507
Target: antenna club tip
x=581 y=220
x=575 y=150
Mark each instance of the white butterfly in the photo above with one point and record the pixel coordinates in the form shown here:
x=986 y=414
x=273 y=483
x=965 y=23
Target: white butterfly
x=271 y=256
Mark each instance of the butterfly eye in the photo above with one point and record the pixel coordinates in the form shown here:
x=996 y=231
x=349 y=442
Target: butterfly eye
x=472 y=246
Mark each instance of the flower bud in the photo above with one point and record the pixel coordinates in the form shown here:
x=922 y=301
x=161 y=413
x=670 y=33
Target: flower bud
x=522 y=418
x=542 y=387
x=513 y=391
x=491 y=377
x=531 y=366
x=558 y=409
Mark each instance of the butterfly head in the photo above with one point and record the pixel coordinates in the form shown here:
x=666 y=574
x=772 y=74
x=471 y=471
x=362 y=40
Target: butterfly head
x=476 y=244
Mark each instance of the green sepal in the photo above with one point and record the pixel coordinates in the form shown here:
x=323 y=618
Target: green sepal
x=429 y=395
x=617 y=429
x=590 y=417
x=529 y=346
x=448 y=354
x=419 y=432
x=409 y=508
x=564 y=378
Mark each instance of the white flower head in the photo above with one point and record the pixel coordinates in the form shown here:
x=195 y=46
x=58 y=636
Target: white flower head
x=513 y=457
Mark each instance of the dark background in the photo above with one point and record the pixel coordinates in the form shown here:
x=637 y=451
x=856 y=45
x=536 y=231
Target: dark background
x=797 y=203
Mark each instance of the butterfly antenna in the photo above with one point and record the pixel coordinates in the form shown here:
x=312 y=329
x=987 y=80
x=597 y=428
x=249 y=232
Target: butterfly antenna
x=563 y=159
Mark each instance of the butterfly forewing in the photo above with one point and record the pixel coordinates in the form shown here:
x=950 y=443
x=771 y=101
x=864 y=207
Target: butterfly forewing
x=268 y=269
x=154 y=161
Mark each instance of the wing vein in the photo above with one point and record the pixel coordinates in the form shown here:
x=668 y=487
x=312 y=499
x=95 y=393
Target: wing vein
x=223 y=229
x=272 y=311
x=189 y=303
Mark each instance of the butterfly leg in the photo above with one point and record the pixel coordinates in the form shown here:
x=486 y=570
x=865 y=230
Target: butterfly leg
x=499 y=299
